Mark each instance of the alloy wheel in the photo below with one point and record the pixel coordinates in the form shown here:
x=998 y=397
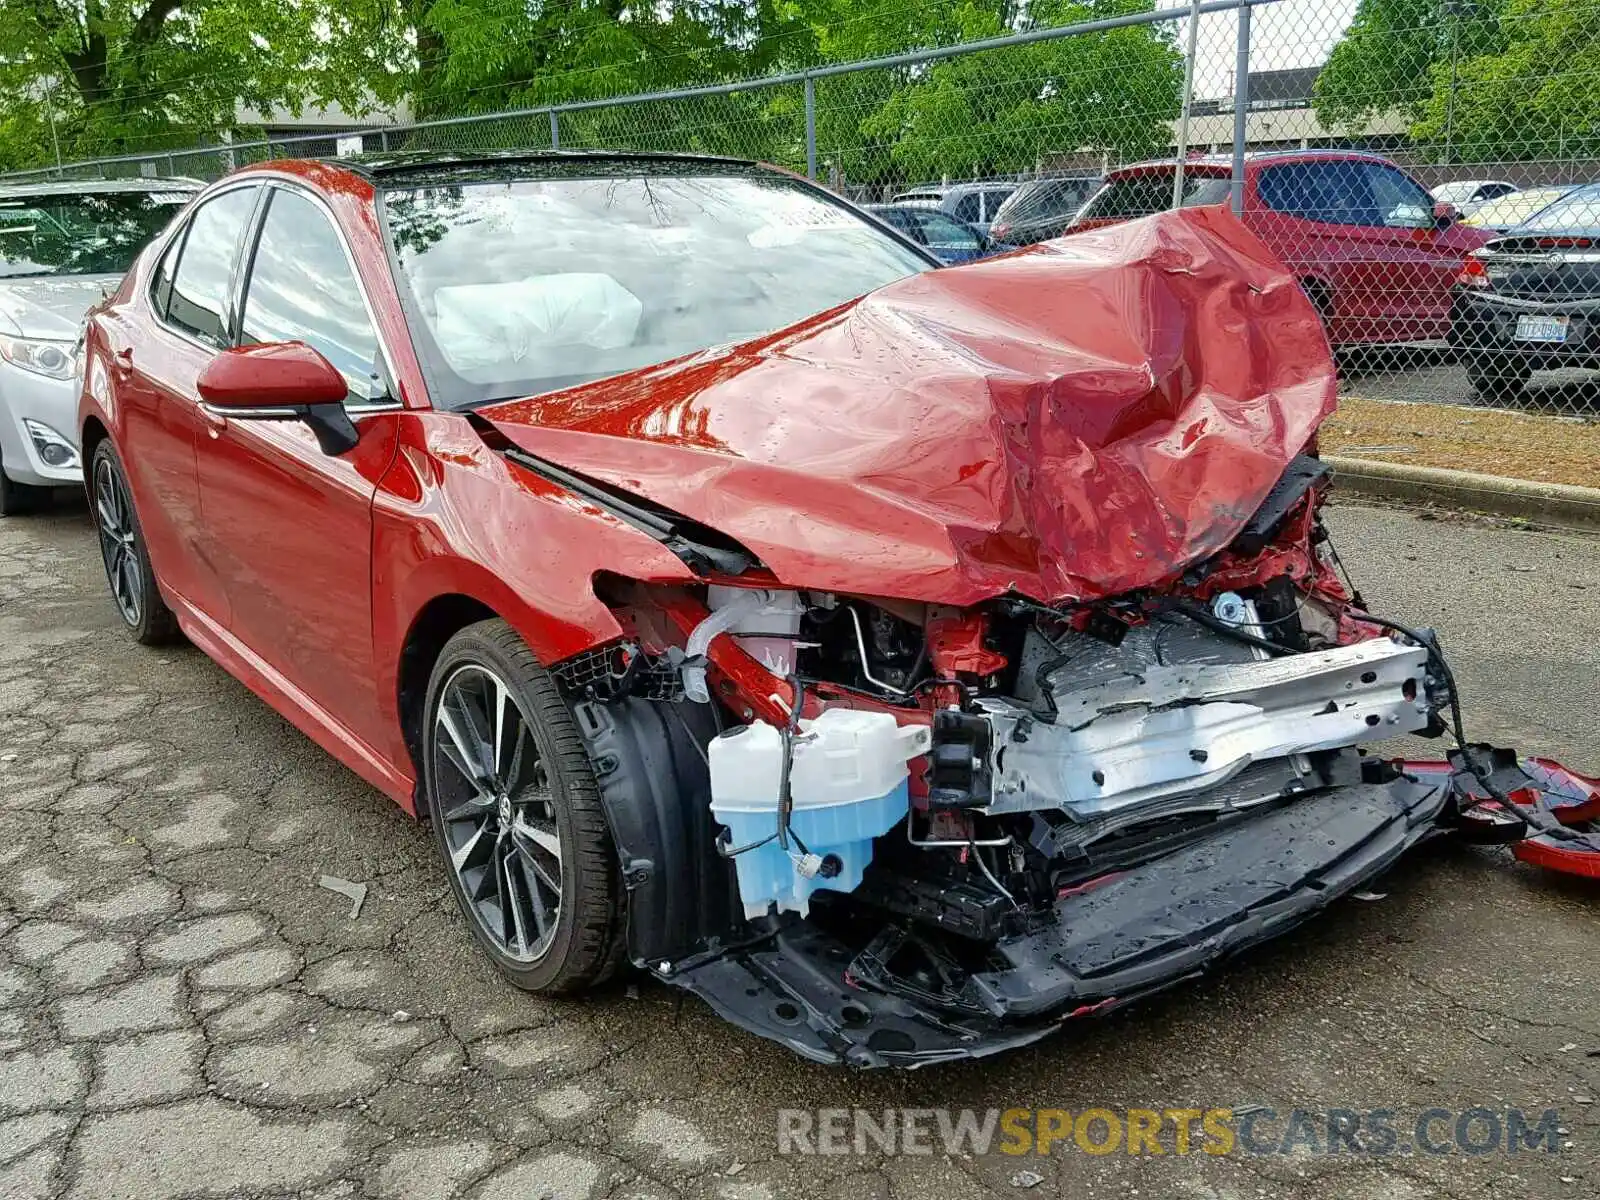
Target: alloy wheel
x=118 y=540
x=498 y=812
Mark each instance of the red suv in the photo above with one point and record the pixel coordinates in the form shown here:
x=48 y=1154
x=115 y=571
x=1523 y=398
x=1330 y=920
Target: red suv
x=1374 y=252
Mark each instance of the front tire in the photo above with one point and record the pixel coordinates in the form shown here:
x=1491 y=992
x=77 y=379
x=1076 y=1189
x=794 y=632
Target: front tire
x=122 y=550
x=517 y=817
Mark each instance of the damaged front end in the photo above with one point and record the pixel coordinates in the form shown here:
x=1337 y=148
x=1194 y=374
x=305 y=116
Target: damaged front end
x=895 y=833
x=1018 y=678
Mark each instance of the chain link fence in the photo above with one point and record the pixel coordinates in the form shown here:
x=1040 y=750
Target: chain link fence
x=1376 y=145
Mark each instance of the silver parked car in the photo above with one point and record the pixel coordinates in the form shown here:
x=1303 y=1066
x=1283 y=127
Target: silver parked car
x=63 y=247
x=973 y=204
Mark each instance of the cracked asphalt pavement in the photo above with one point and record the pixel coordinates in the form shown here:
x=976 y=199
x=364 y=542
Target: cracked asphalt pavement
x=185 y=1012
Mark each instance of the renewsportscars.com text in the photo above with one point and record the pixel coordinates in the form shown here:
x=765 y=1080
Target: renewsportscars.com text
x=1255 y=1129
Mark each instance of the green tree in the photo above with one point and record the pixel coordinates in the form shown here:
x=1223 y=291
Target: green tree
x=1537 y=96
x=1477 y=80
x=1002 y=111
x=108 y=76
x=1385 y=61
x=1006 y=110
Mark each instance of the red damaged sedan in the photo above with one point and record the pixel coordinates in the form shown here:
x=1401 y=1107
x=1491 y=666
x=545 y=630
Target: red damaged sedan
x=904 y=660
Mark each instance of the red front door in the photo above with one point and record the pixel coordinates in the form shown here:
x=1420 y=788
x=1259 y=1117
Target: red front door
x=1361 y=235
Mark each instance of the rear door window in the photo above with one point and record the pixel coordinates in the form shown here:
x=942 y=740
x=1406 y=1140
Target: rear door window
x=202 y=285
x=1399 y=203
x=966 y=208
x=900 y=219
x=1329 y=192
x=993 y=198
x=1052 y=198
x=1151 y=192
x=161 y=281
x=941 y=233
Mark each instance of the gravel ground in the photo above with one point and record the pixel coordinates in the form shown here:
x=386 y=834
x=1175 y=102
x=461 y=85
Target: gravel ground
x=183 y=1012
x=1494 y=441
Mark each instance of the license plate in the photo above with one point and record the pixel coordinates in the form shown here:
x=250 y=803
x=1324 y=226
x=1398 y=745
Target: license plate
x=1541 y=329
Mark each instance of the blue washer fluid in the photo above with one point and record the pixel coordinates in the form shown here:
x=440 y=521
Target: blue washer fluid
x=848 y=782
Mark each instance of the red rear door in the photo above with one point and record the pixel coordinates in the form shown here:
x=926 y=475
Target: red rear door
x=157 y=349
x=290 y=526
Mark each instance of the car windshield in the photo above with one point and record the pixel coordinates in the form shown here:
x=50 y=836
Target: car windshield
x=89 y=233
x=1149 y=192
x=529 y=285
x=1046 y=198
x=1576 y=210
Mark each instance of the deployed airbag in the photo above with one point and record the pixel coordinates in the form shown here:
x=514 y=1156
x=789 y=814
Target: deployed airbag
x=487 y=325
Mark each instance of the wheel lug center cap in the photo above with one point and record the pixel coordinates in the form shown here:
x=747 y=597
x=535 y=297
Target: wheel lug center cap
x=505 y=811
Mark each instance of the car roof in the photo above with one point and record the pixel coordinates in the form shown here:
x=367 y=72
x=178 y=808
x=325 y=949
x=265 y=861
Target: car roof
x=1221 y=164
x=491 y=165
x=97 y=187
x=424 y=167
x=937 y=191
x=916 y=206
x=1086 y=177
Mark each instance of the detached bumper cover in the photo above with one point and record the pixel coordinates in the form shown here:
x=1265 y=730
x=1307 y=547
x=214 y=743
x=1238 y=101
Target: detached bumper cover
x=1127 y=936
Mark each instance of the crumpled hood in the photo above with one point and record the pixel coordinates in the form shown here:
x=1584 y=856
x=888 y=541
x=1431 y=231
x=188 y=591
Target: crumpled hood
x=1078 y=419
x=51 y=306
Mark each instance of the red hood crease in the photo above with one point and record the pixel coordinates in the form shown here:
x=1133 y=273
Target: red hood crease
x=1072 y=421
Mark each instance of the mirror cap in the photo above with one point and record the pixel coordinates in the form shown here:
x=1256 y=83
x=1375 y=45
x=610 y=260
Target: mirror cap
x=270 y=375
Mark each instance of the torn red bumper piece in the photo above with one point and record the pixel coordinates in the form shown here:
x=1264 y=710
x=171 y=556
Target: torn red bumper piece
x=1553 y=820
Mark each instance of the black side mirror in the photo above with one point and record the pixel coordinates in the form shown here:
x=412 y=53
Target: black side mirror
x=336 y=433
x=281 y=381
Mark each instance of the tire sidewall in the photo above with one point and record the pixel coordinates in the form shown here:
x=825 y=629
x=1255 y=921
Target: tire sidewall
x=471 y=648
x=150 y=629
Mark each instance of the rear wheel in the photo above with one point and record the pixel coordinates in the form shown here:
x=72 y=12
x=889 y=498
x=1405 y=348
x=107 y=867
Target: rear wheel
x=516 y=815
x=18 y=498
x=1497 y=376
x=122 y=549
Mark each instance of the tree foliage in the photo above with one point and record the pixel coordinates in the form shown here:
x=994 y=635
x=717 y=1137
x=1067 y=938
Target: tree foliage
x=110 y=76
x=107 y=76
x=1537 y=96
x=1477 y=80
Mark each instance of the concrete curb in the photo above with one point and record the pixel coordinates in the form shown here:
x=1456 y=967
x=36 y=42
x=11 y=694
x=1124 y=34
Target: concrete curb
x=1546 y=503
